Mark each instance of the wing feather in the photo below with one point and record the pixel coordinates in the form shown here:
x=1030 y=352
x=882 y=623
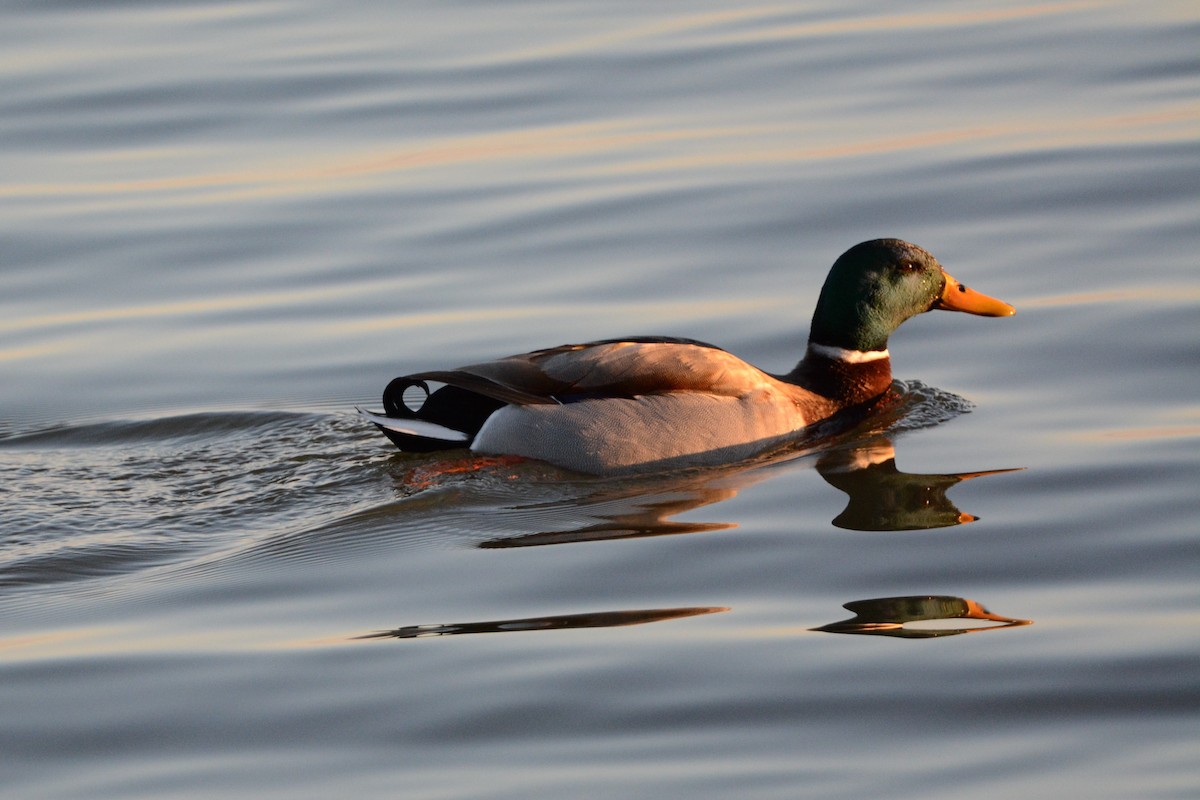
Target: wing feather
x=609 y=368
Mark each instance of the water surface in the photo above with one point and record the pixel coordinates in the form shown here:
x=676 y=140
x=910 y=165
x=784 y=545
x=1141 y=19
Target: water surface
x=228 y=224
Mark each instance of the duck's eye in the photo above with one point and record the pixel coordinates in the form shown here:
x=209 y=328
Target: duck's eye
x=909 y=266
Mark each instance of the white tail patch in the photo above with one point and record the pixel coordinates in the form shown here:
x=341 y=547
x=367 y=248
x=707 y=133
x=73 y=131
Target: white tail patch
x=415 y=427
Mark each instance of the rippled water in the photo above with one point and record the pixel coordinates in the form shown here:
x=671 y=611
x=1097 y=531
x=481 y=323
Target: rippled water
x=227 y=224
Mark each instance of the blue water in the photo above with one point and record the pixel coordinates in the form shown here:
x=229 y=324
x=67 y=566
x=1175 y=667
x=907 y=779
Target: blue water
x=227 y=224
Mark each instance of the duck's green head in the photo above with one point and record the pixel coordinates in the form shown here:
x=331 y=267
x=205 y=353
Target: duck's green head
x=876 y=285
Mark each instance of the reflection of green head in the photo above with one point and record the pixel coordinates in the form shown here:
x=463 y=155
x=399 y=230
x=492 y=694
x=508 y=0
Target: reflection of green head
x=884 y=499
x=871 y=289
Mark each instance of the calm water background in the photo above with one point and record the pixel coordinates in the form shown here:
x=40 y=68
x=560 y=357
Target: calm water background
x=226 y=224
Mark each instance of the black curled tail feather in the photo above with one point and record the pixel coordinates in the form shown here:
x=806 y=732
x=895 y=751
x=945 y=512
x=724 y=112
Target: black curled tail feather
x=393 y=398
x=448 y=406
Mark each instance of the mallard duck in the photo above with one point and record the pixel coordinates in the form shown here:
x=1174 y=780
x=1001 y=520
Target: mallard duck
x=619 y=405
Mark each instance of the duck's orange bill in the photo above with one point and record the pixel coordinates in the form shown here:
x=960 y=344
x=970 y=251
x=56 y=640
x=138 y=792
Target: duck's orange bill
x=956 y=297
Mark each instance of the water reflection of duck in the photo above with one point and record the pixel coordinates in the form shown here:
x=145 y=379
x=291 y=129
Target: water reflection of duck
x=900 y=617
x=895 y=616
x=556 y=622
x=624 y=404
x=882 y=498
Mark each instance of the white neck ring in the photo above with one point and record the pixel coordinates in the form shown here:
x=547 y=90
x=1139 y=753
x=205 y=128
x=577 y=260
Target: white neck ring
x=849 y=356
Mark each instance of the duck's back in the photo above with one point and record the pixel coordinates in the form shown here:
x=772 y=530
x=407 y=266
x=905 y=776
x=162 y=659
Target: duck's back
x=613 y=368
